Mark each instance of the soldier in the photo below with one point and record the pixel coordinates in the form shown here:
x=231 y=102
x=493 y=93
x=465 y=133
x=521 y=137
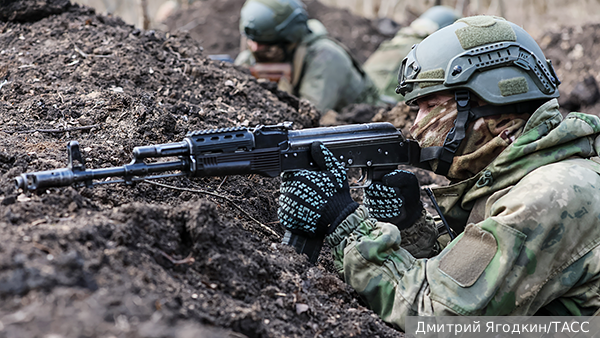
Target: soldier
x=286 y=47
x=524 y=197
x=382 y=66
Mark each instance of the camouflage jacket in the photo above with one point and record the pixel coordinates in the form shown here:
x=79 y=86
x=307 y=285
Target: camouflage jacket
x=325 y=72
x=382 y=66
x=530 y=244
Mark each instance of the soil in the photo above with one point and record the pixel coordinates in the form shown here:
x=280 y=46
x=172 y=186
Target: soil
x=187 y=257
x=146 y=260
x=573 y=51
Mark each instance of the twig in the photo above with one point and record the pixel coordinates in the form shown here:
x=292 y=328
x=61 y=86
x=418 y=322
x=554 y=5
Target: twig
x=146 y=19
x=61 y=130
x=179 y=58
x=188 y=260
x=223 y=181
x=82 y=53
x=85 y=55
x=215 y=195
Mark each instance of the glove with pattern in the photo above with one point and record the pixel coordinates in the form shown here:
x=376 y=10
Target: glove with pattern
x=313 y=203
x=396 y=199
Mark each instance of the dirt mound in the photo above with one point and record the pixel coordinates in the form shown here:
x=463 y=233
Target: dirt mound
x=573 y=51
x=204 y=18
x=31 y=10
x=181 y=257
x=146 y=260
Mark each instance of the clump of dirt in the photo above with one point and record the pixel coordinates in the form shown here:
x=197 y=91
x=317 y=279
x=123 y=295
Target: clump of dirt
x=573 y=50
x=362 y=36
x=180 y=257
x=31 y=10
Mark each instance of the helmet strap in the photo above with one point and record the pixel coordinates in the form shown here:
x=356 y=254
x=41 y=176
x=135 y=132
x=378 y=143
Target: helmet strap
x=465 y=115
x=457 y=133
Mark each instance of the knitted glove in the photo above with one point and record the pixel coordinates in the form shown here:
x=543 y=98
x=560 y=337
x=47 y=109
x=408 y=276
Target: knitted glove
x=313 y=203
x=396 y=199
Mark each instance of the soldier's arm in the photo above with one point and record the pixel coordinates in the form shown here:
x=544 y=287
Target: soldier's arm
x=530 y=251
x=368 y=255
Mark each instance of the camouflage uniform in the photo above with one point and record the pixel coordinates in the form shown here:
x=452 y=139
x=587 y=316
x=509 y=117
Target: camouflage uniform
x=382 y=66
x=328 y=75
x=531 y=223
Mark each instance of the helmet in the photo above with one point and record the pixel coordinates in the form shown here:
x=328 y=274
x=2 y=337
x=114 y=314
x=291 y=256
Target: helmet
x=273 y=21
x=441 y=15
x=487 y=56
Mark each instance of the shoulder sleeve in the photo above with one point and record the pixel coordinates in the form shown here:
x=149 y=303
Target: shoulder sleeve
x=539 y=240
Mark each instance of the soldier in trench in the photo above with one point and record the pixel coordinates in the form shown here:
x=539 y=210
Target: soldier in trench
x=382 y=66
x=524 y=198
x=284 y=46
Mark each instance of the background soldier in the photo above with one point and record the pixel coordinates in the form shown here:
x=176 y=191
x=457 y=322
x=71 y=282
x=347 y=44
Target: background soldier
x=382 y=66
x=525 y=192
x=284 y=46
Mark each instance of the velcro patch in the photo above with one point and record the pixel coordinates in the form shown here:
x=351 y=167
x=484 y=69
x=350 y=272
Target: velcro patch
x=434 y=74
x=484 y=30
x=469 y=257
x=514 y=86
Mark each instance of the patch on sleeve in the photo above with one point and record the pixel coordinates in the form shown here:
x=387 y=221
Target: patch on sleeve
x=469 y=257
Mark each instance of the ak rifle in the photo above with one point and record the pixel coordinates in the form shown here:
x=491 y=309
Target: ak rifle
x=375 y=148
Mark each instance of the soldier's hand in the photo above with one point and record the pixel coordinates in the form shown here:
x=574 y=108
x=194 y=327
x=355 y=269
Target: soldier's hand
x=396 y=199
x=315 y=202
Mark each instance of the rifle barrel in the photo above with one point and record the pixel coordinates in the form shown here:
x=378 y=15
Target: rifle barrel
x=67 y=176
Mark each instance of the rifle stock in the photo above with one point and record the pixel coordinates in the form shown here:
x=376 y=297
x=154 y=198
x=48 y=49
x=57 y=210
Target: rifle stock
x=376 y=148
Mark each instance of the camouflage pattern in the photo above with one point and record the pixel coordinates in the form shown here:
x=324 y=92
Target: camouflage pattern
x=432 y=129
x=531 y=244
x=330 y=78
x=485 y=138
x=382 y=66
x=420 y=239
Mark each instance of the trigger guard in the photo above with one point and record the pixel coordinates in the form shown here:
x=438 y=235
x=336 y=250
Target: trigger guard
x=365 y=179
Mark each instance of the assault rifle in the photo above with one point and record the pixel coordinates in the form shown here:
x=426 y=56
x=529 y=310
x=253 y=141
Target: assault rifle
x=375 y=148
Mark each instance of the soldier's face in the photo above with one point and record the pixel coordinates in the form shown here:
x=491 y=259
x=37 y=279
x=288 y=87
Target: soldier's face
x=266 y=53
x=428 y=103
